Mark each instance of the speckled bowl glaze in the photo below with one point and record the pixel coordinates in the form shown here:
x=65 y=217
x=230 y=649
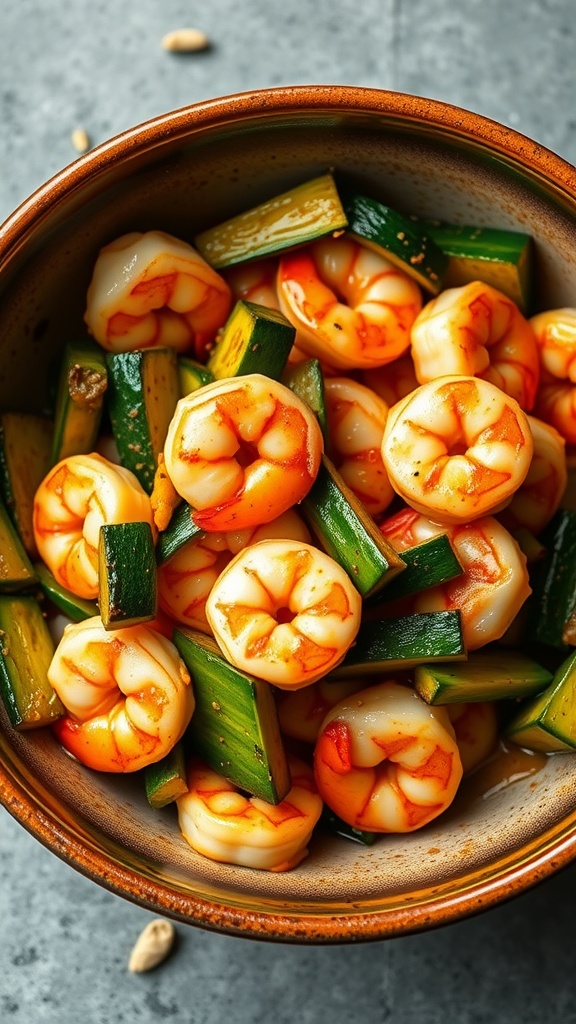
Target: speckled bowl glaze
x=184 y=172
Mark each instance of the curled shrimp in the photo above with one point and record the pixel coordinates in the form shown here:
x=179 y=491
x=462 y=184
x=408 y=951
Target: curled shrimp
x=392 y=381
x=186 y=579
x=385 y=761
x=555 y=332
x=356 y=420
x=79 y=495
x=494 y=583
x=255 y=281
x=301 y=712
x=457 y=448
x=477 y=331
x=241 y=451
x=225 y=825
x=539 y=496
x=127 y=693
x=371 y=326
x=476 y=731
x=284 y=611
x=154 y=289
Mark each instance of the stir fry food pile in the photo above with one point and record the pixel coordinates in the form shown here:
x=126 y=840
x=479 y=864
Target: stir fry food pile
x=296 y=541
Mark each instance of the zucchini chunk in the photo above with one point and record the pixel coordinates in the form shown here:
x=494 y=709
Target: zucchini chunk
x=192 y=375
x=179 y=531
x=75 y=608
x=427 y=565
x=25 y=447
x=254 y=339
x=348 y=533
x=487 y=675
x=26 y=650
x=16 y=570
x=338 y=827
x=306 y=212
x=552 y=605
x=234 y=728
x=392 y=645
x=401 y=240
x=143 y=390
x=127 y=583
x=306 y=380
x=79 y=400
x=165 y=780
x=547 y=723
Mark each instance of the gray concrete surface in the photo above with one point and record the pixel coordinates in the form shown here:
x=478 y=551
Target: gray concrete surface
x=97 y=64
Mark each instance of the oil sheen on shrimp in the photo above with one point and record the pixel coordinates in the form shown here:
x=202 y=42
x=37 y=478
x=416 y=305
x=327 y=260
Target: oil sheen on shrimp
x=351 y=307
x=356 y=420
x=457 y=448
x=476 y=730
x=539 y=496
x=385 y=761
x=555 y=332
x=154 y=289
x=475 y=330
x=225 y=825
x=127 y=692
x=186 y=579
x=301 y=712
x=241 y=451
x=284 y=611
x=494 y=583
x=78 y=496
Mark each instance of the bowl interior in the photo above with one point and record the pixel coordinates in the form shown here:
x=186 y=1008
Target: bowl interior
x=511 y=824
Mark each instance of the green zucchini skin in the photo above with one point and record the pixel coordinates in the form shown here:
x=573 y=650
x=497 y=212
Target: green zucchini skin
x=306 y=380
x=128 y=592
x=397 y=644
x=485 y=676
x=179 y=531
x=165 y=780
x=553 y=581
x=234 y=728
x=347 y=533
x=26 y=651
x=427 y=565
x=192 y=375
x=16 y=569
x=547 y=722
x=79 y=400
x=254 y=339
x=25 y=458
x=338 y=827
x=76 y=608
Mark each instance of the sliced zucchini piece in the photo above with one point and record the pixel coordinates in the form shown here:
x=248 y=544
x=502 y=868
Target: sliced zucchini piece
x=548 y=722
x=192 y=375
x=347 y=533
x=338 y=827
x=403 y=241
x=306 y=380
x=127 y=584
x=553 y=580
x=300 y=215
x=179 y=531
x=26 y=650
x=79 y=400
x=427 y=565
x=487 y=675
x=165 y=780
x=75 y=608
x=254 y=339
x=16 y=570
x=25 y=446
x=143 y=389
x=392 y=645
x=501 y=258
x=234 y=728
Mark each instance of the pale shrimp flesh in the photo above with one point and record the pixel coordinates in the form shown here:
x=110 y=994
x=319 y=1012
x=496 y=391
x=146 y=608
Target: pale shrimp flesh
x=78 y=496
x=154 y=289
x=476 y=731
x=457 y=448
x=228 y=826
x=255 y=281
x=301 y=712
x=127 y=693
x=285 y=612
x=186 y=579
x=351 y=307
x=241 y=451
x=555 y=332
x=356 y=419
x=392 y=381
x=494 y=583
x=540 y=494
x=477 y=331
x=385 y=761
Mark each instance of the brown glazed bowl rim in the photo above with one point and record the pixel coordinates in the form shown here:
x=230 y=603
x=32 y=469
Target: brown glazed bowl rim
x=480 y=889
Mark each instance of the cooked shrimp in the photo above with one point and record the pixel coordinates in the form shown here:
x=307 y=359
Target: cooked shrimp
x=350 y=305
x=301 y=712
x=154 y=289
x=284 y=611
x=476 y=730
x=127 y=693
x=555 y=332
x=356 y=420
x=241 y=451
x=78 y=496
x=494 y=584
x=186 y=579
x=255 y=281
x=539 y=496
x=385 y=761
x=225 y=825
x=457 y=448
x=477 y=331
x=393 y=381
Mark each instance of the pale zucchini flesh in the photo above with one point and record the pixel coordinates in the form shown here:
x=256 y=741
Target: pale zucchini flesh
x=547 y=722
x=485 y=676
x=26 y=650
x=254 y=339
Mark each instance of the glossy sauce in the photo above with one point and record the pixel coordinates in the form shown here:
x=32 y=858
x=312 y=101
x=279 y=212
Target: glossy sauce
x=505 y=766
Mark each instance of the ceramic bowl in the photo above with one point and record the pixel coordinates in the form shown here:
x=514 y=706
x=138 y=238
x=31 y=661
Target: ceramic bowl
x=183 y=172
